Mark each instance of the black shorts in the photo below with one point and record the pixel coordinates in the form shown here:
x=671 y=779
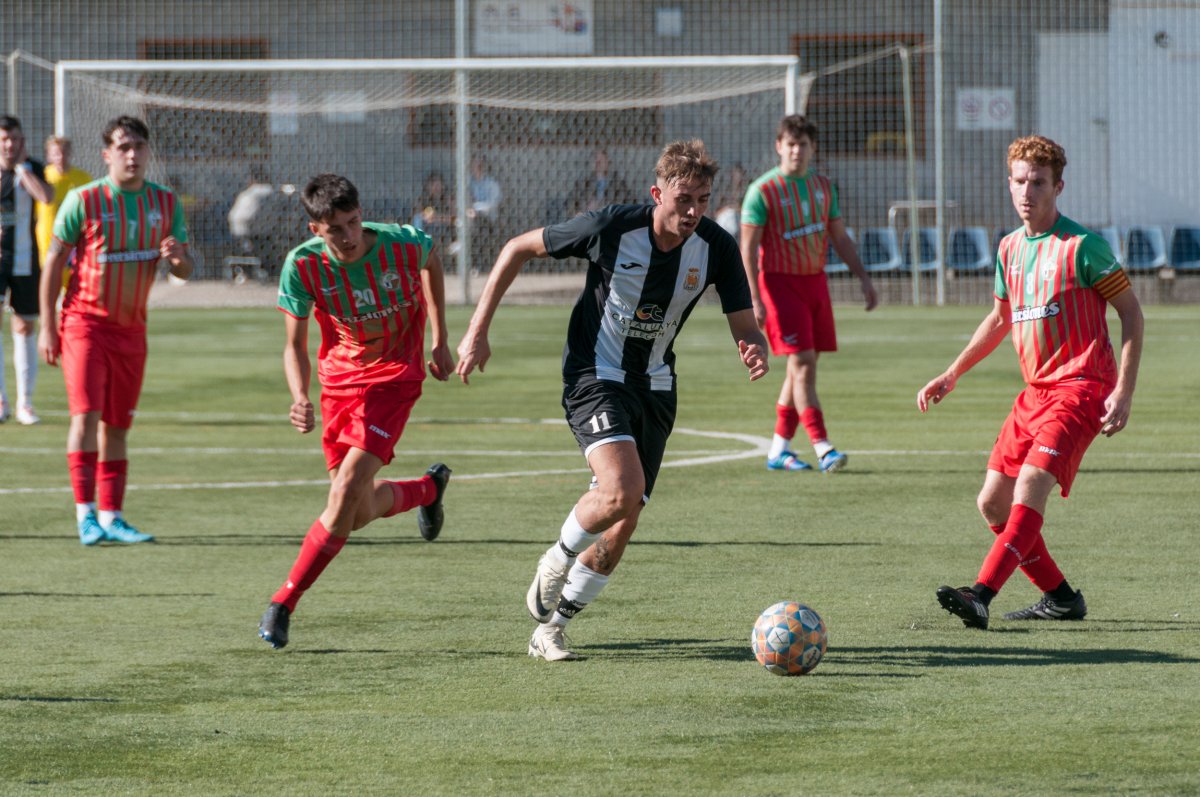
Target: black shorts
x=602 y=412
x=20 y=292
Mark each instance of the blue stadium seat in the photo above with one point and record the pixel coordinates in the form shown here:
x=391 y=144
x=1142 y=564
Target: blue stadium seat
x=880 y=250
x=927 y=249
x=833 y=262
x=968 y=250
x=1145 y=248
x=1185 y=248
x=1113 y=236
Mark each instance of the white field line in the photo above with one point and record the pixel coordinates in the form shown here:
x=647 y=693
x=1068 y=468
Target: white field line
x=756 y=447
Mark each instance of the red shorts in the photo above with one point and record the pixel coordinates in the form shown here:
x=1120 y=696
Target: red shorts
x=103 y=369
x=799 y=312
x=1050 y=429
x=371 y=418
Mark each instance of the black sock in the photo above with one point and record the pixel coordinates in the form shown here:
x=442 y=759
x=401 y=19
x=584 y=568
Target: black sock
x=1062 y=593
x=985 y=594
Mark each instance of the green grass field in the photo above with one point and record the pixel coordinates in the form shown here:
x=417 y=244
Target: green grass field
x=136 y=670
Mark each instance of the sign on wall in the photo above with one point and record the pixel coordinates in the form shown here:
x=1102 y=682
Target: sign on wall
x=533 y=27
x=985 y=109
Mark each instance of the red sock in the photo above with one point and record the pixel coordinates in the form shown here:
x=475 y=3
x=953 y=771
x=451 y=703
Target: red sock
x=1038 y=565
x=110 y=484
x=317 y=550
x=406 y=495
x=82 y=467
x=1011 y=547
x=787 y=419
x=814 y=423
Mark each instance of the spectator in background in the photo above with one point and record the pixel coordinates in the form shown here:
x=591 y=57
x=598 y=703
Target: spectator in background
x=248 y=218
x=600 y=188
x=434 y=209
x=729 y=212
x=21 y=185
x=485 y=209
x=61 y=176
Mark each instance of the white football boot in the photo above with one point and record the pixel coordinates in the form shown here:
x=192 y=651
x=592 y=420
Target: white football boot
x=549 y=643
x=546 y=589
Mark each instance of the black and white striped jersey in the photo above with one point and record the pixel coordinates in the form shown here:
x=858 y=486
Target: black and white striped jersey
x=637 y=297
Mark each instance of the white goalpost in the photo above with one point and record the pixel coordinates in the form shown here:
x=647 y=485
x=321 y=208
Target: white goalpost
x=390 y=124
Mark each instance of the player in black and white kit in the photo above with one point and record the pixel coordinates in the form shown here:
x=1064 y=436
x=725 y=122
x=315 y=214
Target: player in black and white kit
x=649 y=264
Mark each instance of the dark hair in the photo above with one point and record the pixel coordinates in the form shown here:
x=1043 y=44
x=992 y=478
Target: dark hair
x=130 y=124
x=10 y=123
x=795 y=125
x=327 y=194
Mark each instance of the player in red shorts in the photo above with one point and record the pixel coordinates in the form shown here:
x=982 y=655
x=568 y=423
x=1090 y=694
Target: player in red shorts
x=120 y=227
x=789 y=217
x=371 y=288
x=1054 y=281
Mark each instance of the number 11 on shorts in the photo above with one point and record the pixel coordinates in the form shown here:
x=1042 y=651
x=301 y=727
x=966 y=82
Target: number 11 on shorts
x=600 y=423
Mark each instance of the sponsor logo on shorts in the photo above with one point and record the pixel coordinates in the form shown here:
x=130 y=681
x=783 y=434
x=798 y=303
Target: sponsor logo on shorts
x=790 y=340
x=1048 y=450
x=1022 y=314
x=379 y=432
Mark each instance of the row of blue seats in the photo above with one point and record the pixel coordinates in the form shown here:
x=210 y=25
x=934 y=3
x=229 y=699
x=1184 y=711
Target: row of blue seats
x=973 y=249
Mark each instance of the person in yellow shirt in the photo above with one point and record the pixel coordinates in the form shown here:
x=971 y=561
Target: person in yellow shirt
x=62 y=177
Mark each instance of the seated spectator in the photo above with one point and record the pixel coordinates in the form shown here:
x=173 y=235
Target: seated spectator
x=601 y=187
x=433 y=212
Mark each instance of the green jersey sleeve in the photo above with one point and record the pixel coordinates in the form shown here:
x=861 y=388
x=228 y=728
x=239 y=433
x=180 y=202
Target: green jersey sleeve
x=178 y=225
x=68 y=223
x=294 y=297
x=754 y=206
x=1094 y=260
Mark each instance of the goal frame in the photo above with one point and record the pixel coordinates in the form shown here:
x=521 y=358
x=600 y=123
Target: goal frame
x=789 y=64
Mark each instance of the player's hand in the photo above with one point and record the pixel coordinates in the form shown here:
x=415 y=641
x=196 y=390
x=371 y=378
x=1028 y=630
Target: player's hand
x=303 y=416
x=1116 y=413
x=753 y=359
x=171 y=250
x=441 y=364
x=472 y=351
x=936 y=390
x=49 y=345
x=869 y=295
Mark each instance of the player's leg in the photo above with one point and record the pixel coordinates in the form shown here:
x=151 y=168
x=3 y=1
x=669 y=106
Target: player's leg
x=821 y=337
x=786 y=330
x=24 y=337
x=5 y=407
x=83 y=456
x=25 y=363
x=126 y=371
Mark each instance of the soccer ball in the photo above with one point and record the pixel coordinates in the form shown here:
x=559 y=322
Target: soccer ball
x=788 y=639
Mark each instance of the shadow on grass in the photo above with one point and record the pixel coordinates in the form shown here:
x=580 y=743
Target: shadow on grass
x=48 y=699
x=294 y=540
x=967 y=656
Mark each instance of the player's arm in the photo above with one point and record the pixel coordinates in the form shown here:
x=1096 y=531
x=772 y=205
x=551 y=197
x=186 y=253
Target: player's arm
x=993 y=329
x=474 y=349
x=34 y=185
x=49 y=286
x=751 y=238
x=843 y=244
x=298 y=369
x=433 y=283
x=752 y=346
x=1119 y=402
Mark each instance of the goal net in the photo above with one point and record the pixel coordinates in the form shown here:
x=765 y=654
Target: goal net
x=503 y=145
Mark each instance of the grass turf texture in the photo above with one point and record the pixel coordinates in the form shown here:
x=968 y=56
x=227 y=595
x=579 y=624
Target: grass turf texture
x=136 y=670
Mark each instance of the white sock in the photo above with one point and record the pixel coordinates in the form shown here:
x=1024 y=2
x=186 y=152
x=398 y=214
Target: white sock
x=778 y=446
x=572 y=537
x=25 y=364
x=3 y=392
x=107 y=516
x=822 y=448
x=83 y=510
x=583 y=585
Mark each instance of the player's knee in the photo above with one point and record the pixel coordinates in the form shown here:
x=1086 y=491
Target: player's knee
x=993 y=508
x=622 y=496
x=346 y=498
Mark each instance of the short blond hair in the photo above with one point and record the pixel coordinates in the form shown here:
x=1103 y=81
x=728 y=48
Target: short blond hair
x=685 y=162
x=1039 y=151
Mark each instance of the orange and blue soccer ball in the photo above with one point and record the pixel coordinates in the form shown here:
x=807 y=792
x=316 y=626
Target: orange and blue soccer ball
x=789 y=639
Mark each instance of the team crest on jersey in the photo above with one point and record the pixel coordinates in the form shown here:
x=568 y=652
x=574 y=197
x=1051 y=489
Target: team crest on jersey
x=1048 y=270
x=820 y=195
x=154 y=218
x=390 y=281
x=692 y=281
